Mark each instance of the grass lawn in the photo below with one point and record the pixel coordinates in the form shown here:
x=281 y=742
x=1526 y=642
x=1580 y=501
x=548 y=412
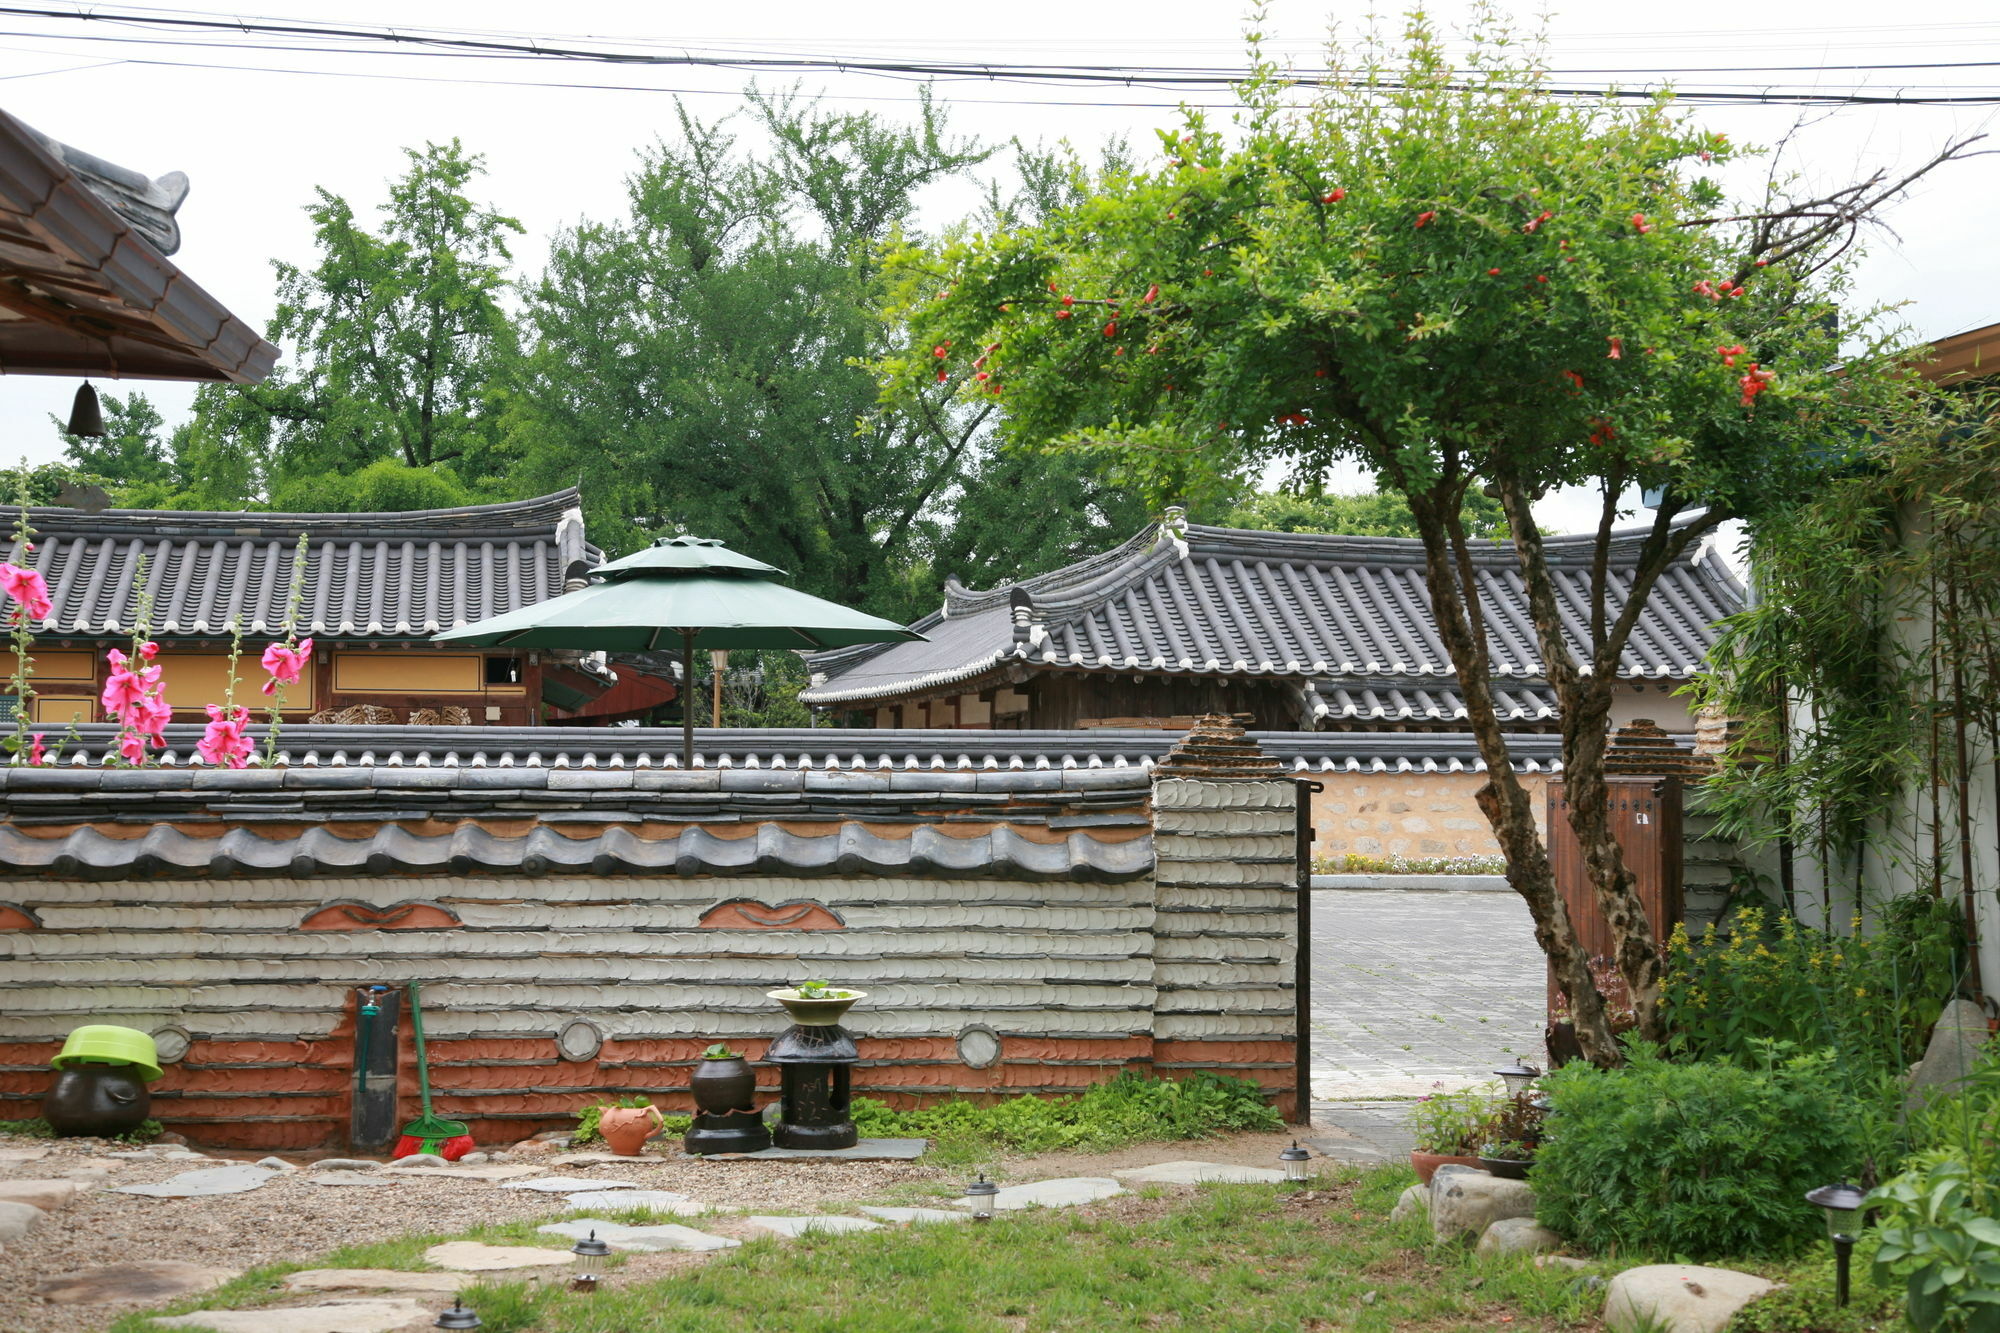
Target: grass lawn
x=1224 y=1257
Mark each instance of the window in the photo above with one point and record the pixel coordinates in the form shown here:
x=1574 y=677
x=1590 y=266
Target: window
x=503 y=671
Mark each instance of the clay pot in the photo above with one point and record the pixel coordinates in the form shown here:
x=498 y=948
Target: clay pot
x=722 y=1086
x=96 y=1100
x=626 y=1128
x=1427 y=1163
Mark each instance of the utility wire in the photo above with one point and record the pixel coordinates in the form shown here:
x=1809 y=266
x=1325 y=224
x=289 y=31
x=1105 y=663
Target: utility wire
x=437 y=43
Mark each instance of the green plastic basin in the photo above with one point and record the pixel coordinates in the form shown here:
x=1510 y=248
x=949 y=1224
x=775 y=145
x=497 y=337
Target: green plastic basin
x=102 y=1043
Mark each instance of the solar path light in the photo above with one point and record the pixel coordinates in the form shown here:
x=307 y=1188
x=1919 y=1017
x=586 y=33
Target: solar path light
x=981 y=1192
x=1840 y=1201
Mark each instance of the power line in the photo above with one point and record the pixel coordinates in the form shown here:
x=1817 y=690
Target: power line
x=474 y=44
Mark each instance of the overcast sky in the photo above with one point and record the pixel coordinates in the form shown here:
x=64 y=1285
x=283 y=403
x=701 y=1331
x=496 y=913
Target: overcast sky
x=256 y=130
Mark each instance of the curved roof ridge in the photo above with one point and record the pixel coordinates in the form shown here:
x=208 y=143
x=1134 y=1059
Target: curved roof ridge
x=1342 y=548
x=1071 y=583
x=537 y=514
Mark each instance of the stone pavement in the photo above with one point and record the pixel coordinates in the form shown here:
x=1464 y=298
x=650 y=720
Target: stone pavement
x=1412 y=989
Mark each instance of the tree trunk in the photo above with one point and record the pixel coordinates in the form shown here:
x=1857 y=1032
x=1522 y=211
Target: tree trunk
x=1503 y=800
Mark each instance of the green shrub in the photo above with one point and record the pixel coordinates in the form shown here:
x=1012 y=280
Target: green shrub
x=1939 y=1227
x=1695 y=1160
x=1131 y=1108
x=1456 y=1124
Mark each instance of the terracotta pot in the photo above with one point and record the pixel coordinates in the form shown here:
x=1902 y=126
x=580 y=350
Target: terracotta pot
x=722 y=1086
x=97 y=1100
x=1427 y=1163
x=626 y=1128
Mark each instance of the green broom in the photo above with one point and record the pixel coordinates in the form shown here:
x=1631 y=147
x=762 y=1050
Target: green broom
x=449 y=1139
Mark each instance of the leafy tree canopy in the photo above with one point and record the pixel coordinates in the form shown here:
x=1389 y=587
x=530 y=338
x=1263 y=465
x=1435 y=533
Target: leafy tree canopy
x=1365 y=514
x=1457 y=278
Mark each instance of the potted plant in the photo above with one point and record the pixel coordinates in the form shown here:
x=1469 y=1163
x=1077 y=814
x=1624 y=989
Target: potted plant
x=722 y=1081
x=1515 y=1132
x=1510 y=1158
x=1449 y=1128
x=815 y=1004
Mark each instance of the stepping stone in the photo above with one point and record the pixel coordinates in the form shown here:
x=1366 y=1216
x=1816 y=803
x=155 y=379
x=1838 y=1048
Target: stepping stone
x=561 y=1184
x=343 y=1164
x=826 y=1225
x=275 y=1164
x=488 y=1173
x=1195 y=1173
x=47 y=1195
x=148 y=1280
x=375 y=1179
x=643 y=1240
x=471 y=1256
x=660 y=1201
x=23 y=1154
x=18 y=1219
x=591 y=1158
x=1063 y=1193
x=916 y=1214
x=377 y=1279
x=237 y=1178
x=337 y=1317
x=418 y=1161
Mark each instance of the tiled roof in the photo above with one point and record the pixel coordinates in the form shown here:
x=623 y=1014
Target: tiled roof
x=1338 y=701
x=368 y=576
x=731 y=756
x=1196 y=600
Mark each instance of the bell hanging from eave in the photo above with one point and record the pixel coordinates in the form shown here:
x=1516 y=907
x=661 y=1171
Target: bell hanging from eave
x=86 y=418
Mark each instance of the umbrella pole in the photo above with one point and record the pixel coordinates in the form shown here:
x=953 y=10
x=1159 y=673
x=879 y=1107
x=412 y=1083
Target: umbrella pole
x=687 y=699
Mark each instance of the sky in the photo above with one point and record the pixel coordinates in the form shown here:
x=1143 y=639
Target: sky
x=257 y=129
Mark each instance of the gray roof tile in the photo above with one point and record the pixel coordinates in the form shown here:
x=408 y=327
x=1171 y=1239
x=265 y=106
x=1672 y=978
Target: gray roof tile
x=368 y=576
x=1227 y=601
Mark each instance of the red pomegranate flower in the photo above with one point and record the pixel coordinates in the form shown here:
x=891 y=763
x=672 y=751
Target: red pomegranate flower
x=1424 y=219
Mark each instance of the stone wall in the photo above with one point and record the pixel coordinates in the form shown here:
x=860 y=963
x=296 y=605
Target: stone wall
x=1407 y=814
x=585 y=933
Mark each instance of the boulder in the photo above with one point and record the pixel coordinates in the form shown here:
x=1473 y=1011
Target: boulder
x=17 y=1220
x=47 y=1195
x=1955 y=1044
x=1517 y=1235
x=1678 y=1298
x=1413 y=1202
x=275 y=1164
x=1465 y=1203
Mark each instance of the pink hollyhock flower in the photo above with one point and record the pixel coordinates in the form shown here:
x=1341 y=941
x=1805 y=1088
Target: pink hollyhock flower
x=150 y=717
x=29 y=589
x=149 y=650
x=125 y=688
x=223 y=743
x=36 y=754
x=132 y=746
x=285 y=664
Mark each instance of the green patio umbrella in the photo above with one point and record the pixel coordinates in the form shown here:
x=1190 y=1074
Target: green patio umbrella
x=693 y=591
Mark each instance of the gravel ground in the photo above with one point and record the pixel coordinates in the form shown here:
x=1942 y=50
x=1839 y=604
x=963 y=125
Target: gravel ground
x=289 y=1220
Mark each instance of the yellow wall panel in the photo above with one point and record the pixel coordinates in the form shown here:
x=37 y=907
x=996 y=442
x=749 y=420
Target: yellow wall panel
x=61 y=710
x=194 y=680
x=407 y=673
x=56 y=664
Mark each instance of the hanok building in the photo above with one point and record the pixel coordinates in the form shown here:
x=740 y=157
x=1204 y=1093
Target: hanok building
x=375 y=588
x=1301 y=631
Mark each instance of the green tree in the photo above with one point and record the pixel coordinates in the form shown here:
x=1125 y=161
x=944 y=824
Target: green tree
x=132 y=450
x=1455 y=278
x=705 y=364
x=399 y=345
x=1364 y=514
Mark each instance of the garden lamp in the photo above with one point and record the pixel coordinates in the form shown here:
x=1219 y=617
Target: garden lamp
x=1295 y=1159
x=981 y=1192
x=1518 y=1078
x=590 y=1255
x=1840 y=1201
x=457 y=1316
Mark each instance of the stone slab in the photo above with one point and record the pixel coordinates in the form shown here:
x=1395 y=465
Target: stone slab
x=659 y=1201
x=916 y=1215
x=641 y=1240
x=560 y=1184
x=343 y=1164
x=47 y=1195
x=488 y=1173
x=1195 y=1173
x=1064 y=1192
x=471 y=1256
x=370 y=1179
x=824 y=1225
x=868 y=1150
x=18 y=1219
x=377 y=1279
x=592 y=1157
x=275 y=1164
x=23 y=1154
x=1678 y=1298
x=236 y=1178
x=337 y=1317
x=149 y=1280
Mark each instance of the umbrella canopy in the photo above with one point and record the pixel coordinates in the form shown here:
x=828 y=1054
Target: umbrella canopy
x=690 y=592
